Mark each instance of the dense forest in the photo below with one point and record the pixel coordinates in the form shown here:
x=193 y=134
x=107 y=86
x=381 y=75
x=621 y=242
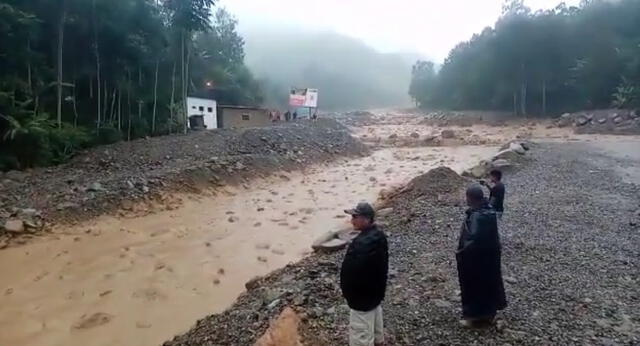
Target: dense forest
x=76 y=73
x=348 y=73
x=547 y=62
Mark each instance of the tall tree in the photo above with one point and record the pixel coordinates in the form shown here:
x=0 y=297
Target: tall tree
x=188 y=17
x=61 y=24
x=558 y=60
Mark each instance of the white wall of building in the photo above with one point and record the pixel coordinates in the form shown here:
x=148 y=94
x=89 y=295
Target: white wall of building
x=205 y=107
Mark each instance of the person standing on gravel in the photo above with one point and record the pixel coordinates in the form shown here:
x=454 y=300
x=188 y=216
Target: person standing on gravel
x=479 y=262
x=496 y=192
x=363 y=278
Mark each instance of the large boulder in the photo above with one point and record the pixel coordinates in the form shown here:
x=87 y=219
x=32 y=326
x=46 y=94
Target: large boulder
x=517 y=148
x=14 y=226
x=526 y=145
x=564 y=120
x=508 y=155
x=617 y=119
x=501 y=164
x=479 y=171
x=333 y=241
x=448 y=134
x=582 y=120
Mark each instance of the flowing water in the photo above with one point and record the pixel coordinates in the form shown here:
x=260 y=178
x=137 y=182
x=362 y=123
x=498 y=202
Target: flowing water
x=141 y=280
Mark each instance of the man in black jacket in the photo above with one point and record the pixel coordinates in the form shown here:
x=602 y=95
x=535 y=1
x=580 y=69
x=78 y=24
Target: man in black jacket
x=478 y=258
x=496 y=192
x=363 y=278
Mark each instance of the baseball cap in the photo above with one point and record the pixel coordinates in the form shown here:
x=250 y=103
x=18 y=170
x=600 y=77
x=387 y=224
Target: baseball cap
x=362 y=209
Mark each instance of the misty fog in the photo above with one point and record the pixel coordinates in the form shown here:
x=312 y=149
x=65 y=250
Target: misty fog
x=348 y=73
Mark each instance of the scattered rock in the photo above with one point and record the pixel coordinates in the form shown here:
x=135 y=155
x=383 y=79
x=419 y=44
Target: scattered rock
x=263 y=246
x=233 y=219
x=509 y=155
x=447 y=134
x=384 y=212
x=478 y=171
x=143 y=325
x=582 y=120
x=253 y=283
x=95 y=187
x=14 y=226
x=510 y=280
x=441 y=303
x=517 y=148
x=329 y=242
x=95 y=320
x=501 y=164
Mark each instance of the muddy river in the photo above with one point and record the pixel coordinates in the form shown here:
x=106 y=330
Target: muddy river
x=141 y=280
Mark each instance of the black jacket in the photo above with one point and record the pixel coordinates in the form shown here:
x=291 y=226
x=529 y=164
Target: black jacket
x=479 y=230
x=363 y=276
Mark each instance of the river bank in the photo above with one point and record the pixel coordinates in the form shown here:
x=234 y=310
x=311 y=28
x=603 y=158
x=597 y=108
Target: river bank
x=118 y=278
x=570 y=240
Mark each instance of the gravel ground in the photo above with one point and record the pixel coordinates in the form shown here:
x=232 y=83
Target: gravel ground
x=102 y=179
x=571 y=257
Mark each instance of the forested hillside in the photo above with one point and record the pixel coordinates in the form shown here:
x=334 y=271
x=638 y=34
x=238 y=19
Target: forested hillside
x=564 y=59
x=76 y=73
x=348 y=73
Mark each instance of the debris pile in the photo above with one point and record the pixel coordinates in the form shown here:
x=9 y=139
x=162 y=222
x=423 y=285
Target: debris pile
x=511 y=155
x=604 y=121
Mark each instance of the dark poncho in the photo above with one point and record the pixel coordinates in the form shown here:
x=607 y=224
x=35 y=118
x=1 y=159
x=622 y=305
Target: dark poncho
x=479 y=267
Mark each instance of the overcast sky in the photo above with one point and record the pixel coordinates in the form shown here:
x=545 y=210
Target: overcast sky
x=428 y=27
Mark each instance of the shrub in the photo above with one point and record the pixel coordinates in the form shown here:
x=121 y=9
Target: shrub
x=107 y=135
x=65 y=142
x=31 y=149
x=8 y=162
x=139 y=128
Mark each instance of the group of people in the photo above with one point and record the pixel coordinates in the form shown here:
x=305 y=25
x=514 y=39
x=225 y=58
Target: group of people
x=277 y=116
x=364 y=271
x=287 y=116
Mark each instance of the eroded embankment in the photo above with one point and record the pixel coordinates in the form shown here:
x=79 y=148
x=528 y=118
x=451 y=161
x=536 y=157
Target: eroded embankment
x=140 y=176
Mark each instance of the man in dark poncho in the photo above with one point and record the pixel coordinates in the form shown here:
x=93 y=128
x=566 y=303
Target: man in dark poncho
x=478 y=258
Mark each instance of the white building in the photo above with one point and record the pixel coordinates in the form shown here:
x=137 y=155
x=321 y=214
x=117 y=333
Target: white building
x=206 y=108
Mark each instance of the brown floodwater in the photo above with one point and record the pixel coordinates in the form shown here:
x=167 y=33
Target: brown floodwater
x=142 y=280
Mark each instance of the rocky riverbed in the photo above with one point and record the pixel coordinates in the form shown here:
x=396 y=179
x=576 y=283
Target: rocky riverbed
x=570 y=239
x=139 y=176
